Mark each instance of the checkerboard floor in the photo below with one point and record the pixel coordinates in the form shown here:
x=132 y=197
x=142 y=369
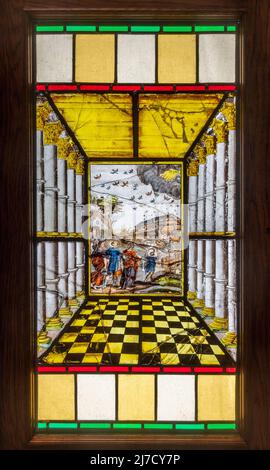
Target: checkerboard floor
x=144 y=331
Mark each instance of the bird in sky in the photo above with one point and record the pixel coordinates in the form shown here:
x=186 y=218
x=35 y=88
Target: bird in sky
x=108 y=187
x=131 y=171
x=97 y=177
x=139 y=198
x=149 y=193
x=114 y=171
x=115 y=183
x=153 y=200
x=132 y=198
x=135 y=186
x=124 y=183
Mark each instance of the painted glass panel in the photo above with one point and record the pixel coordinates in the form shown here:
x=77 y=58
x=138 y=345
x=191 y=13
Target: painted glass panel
x=169 y=124
x=136 y=226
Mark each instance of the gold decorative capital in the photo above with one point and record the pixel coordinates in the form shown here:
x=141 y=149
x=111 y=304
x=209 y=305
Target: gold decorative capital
x=72 y=160
x=193 y=168
x=220 y=129
x=219 y=324
x=80 y=167
x=200 y=153
x=208 y=311
x=230 y=339
x=42 y=113
x=64 y=147
x=198 y=303
x=229 y=112
x=210 y=144
x=191 y=295
x=52 y=131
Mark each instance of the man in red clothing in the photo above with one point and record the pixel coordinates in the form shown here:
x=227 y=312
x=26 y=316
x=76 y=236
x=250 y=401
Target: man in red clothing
x=131 y=264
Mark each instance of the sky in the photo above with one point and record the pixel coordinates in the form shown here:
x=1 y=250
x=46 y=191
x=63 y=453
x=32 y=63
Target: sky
x=133 y=194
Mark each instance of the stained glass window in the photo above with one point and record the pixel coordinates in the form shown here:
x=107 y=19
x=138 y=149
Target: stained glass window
x=136 y=226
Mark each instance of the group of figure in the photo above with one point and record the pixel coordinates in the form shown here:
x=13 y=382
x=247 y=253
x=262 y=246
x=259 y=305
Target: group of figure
x=119 y=268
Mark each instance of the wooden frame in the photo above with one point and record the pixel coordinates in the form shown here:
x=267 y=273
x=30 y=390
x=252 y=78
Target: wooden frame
x=16 y=220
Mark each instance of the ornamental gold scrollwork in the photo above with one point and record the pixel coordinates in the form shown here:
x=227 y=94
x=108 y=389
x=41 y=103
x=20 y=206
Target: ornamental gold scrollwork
x=210 y=144
x=52 y=131
x=80 y=167
x=64 y=147
x=193 y=168
x=42 y=114
x=72 y=160
x=221 y=130
x=200 y=153
x=229 y=112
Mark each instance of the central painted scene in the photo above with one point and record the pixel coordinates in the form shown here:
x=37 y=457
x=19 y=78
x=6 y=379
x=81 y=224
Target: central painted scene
x=135 y=226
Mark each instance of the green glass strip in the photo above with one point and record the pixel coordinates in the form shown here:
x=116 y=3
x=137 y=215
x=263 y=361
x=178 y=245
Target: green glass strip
x=145 y=29
x=40 y=29
x=63 y=425
x=158 y=426
x=190 y=426
x=177 y=29
x=202 y=28
x=90 y=28
x=95 y=425
x=221 y=426
x=42 y=425
x=231 y=28
x=127 y=426
x=113 y=28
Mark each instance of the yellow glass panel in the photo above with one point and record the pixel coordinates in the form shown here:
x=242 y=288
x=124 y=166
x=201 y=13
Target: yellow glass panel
x=136 y=397
x=177 y=58
x=129 y=359
x=56 y=399
x=216 y=397
x=102 y=123
x=94 y=58
x=169 y=124
x=78 y=348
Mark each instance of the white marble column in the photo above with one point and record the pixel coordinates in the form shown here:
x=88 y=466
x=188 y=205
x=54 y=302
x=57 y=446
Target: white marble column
x=71 y=190
x=50 y=189
x=192 y=265
x=220 y=321
x=71 y=200
x=79 y=245
x=39 y=182
x=72 y=269
x=210 y=145
x=229 y=113
x=230 y=337
x=200 y=153
x=209 y=288
x=43 y=338
x=63 y=274
x=192 y=173
x=62 y=195
x=220 y=129
x=199 y=302
x=80 y=269
x=79 y=195
x=51 y=279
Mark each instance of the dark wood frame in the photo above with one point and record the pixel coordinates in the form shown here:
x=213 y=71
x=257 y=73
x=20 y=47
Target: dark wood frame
x=16 y=356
